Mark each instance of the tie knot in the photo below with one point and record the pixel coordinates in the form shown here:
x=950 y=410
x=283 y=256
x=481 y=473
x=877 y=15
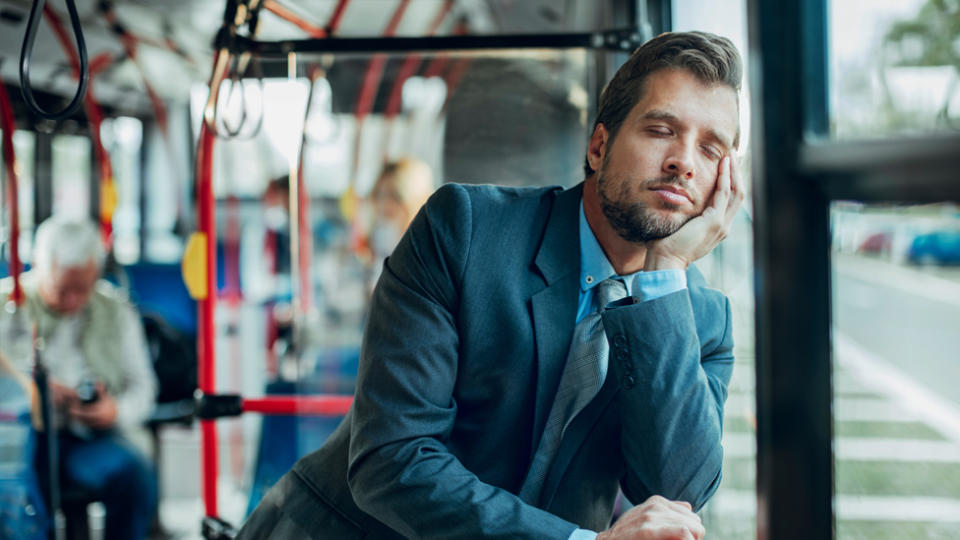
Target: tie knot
x=609 y=290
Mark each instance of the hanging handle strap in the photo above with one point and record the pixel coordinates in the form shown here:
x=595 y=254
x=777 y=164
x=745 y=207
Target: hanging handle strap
x=26 y=53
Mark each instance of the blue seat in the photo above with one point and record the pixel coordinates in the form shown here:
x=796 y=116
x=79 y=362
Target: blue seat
x=300 y=435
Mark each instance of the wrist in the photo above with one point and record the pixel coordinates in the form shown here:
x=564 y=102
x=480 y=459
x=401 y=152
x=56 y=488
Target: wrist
x=659 y=261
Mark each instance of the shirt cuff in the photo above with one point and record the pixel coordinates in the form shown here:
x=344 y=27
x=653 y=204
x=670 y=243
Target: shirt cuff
x=652 y=285
x=582 y=534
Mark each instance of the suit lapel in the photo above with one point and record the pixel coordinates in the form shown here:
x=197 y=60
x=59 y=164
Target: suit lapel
x=554 y=308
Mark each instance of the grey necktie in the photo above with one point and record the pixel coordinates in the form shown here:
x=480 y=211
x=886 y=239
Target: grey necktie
x=582 y=377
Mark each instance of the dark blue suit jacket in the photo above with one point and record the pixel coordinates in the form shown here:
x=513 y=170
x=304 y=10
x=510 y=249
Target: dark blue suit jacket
x=468 y=332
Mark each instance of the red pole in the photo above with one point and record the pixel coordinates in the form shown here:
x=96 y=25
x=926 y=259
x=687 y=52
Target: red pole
x=336 y=17
x=411 y=63
x=324 y=405
x=95 y=118
x=371 y=79
x=9 y=159
x=206 y=336
x=439 y=63
x=291 y=17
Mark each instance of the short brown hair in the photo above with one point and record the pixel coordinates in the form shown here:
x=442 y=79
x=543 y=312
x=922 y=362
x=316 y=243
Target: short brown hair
x=712 y=59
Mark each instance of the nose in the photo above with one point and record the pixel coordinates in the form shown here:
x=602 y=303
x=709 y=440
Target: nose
x=679 y=161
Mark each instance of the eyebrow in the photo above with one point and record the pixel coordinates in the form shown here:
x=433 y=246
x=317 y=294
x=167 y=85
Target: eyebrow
x=659 y=114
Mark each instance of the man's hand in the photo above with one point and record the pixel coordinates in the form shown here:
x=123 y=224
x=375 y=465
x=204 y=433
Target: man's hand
x=657 y=519
x=62 y=396
x=101 y=414
x=701 y=234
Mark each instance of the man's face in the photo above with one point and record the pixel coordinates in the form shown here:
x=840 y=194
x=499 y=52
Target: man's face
x=69 y=289
x=661 y=168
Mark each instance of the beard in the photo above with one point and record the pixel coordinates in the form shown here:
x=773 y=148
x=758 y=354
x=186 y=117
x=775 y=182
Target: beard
x=635 y=221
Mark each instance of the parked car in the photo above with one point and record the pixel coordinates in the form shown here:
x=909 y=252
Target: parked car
x=877 y=243
x=940 y=247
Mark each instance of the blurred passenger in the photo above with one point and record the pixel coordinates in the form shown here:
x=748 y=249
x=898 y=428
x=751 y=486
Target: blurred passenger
x=276 y=219
x=101 y=383
x=267 y=271
x=401 y=189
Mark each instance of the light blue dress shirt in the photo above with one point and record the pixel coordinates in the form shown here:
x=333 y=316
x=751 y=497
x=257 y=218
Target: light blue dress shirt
x=594 y=268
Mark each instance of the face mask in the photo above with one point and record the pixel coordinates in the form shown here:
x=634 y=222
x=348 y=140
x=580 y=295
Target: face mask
x=384 y=238
x=275 y=218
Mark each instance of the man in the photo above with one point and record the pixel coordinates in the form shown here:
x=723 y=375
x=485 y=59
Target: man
x=101 y=384
x=469 y=419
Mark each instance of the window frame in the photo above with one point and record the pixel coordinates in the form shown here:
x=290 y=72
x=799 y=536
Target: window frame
x=798 y=173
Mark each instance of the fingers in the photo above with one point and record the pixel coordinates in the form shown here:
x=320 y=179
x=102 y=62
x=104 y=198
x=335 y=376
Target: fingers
x=733 y=205
x=671 y=519
x=721 y=191
x=101 y=414
x=102 y=390
x=62 y=395
x=698 y=530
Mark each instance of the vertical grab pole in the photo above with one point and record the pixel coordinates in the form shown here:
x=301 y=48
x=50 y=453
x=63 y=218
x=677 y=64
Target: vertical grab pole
x=206 y=335
x=204 y=280
x=293 y=202
x=9 y=158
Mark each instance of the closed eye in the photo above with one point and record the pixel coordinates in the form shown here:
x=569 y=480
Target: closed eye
x=711 y=152
x=659 y=130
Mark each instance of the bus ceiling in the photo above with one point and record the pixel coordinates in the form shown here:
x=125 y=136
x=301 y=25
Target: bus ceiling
x=140 y=51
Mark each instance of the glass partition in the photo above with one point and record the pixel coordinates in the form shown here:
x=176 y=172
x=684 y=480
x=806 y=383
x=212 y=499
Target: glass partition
x=896 y=311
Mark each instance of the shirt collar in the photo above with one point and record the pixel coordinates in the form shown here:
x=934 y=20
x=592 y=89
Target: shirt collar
x=594 y=266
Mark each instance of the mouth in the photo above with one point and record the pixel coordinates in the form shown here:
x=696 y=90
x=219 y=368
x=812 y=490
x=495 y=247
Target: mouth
x=672 y=194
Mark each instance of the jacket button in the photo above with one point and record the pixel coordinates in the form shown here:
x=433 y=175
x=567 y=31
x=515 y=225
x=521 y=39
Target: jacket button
x=620 y=340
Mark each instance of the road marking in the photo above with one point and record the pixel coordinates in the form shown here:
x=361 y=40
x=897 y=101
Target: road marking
x=852 y=507
x=744 y=445
x=845 y=409
x=904 y=391
x=884 y=449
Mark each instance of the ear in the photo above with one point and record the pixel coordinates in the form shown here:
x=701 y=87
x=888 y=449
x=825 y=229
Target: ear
x=597 y=148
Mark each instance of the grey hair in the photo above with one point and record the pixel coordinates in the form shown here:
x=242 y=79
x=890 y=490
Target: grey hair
x=63 y=243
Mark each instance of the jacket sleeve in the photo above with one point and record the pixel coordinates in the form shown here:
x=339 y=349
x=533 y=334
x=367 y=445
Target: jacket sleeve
x=400 y=471
x=672 y=391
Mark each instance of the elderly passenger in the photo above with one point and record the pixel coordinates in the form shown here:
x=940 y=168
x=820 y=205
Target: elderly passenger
x=101 y=383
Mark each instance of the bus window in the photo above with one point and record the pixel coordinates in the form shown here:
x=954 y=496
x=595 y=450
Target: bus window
x=23 y=145
x=897 y=73
x=123 y=137
x=896 y=306
x=72 y=169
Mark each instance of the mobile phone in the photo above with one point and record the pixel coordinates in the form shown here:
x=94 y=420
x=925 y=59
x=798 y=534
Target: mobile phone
x=87 y=392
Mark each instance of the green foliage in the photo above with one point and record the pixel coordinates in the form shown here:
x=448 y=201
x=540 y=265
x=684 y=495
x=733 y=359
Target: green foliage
x=932 y=38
